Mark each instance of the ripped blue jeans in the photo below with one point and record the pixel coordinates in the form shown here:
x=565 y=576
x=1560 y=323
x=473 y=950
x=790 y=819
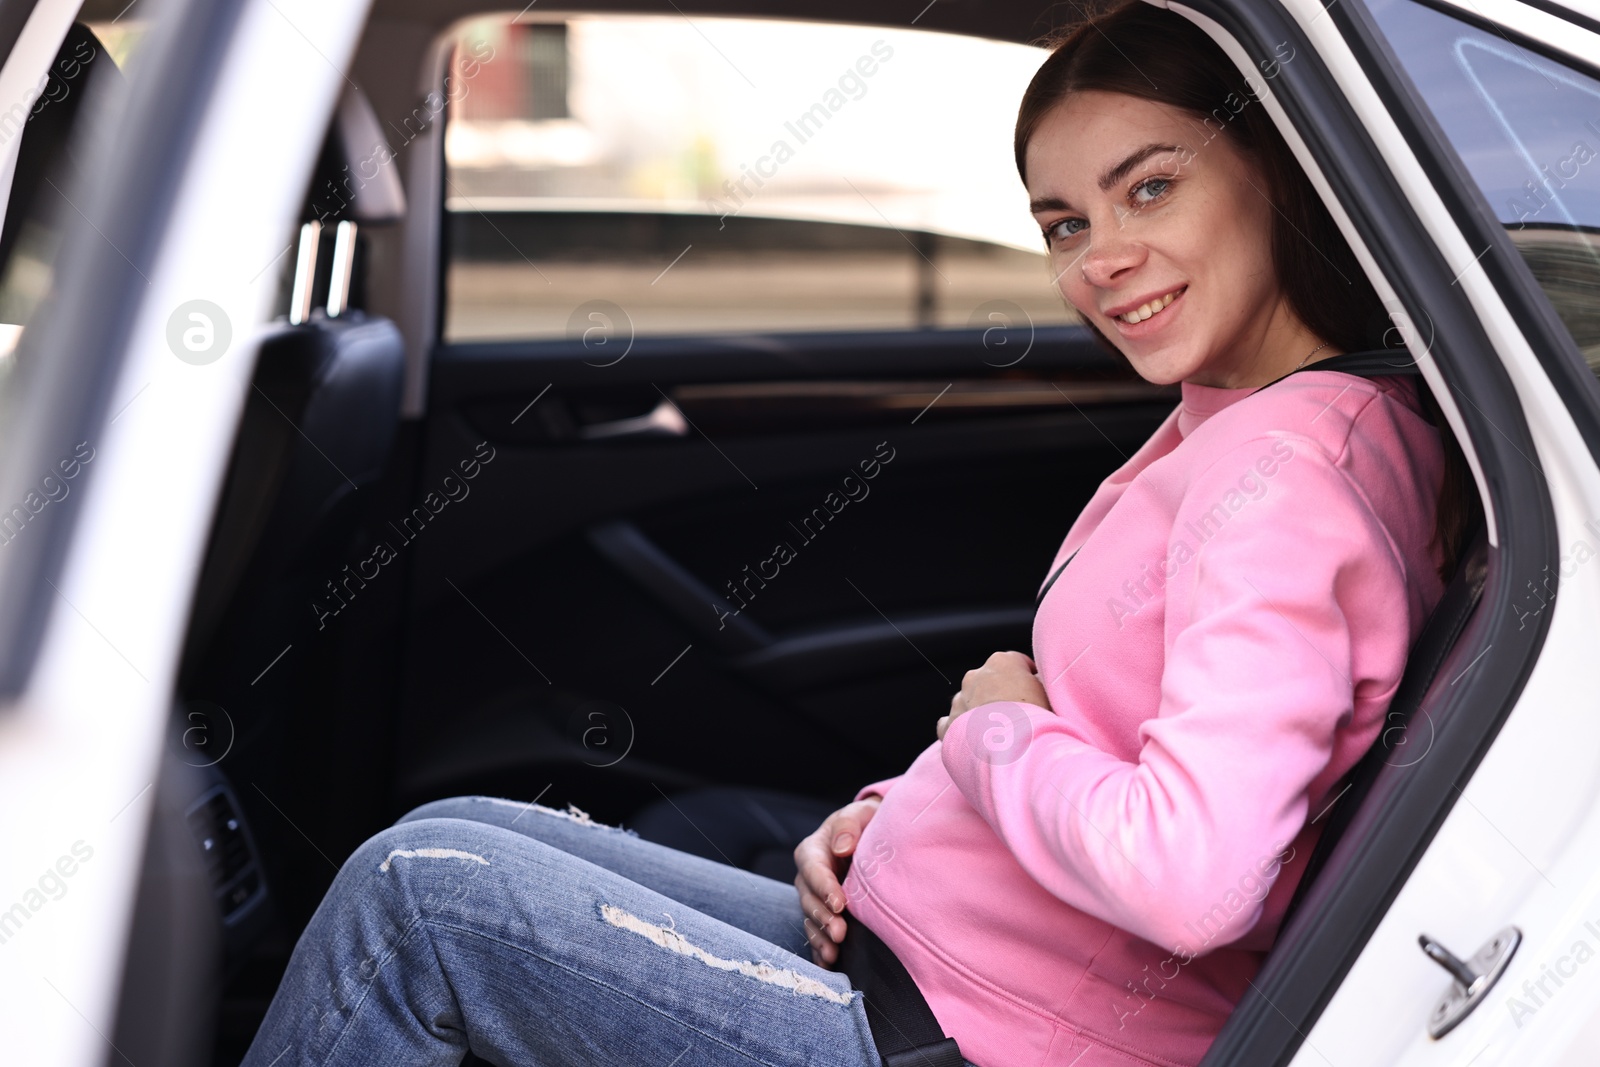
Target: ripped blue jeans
x=538 y=937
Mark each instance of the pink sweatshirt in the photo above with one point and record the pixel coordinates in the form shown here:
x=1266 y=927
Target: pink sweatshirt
x=1094 y=885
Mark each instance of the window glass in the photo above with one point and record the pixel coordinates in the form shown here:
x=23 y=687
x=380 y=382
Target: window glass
x=121 y=37
x=1528 y=130
x=39 y=158
x=733 y=175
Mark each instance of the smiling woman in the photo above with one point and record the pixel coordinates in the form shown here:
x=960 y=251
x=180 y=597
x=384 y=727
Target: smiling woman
x=1192 y=194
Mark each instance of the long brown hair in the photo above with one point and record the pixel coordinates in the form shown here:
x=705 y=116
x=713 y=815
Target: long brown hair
x=1142 y=51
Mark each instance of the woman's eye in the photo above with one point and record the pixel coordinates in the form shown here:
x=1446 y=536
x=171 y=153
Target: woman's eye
x=1065 y=229
x=1150 y=190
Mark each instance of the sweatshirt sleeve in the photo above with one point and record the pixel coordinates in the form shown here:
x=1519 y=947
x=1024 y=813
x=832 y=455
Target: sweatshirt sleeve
x=1255 y=685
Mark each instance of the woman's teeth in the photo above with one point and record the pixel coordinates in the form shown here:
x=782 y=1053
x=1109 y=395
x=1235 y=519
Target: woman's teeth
x=1144 y=311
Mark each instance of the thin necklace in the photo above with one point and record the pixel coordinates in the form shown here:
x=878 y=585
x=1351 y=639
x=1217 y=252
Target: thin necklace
x=1311 y=353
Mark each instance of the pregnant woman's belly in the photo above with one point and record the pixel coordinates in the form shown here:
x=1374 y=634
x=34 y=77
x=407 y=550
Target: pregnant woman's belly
x=1016 y=975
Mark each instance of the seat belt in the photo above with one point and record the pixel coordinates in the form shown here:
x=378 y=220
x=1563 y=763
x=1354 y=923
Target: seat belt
x=1052 y=579
x=904 y=1029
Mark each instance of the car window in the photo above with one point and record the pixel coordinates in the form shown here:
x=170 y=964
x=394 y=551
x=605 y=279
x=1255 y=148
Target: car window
x=1528 y=130
x=733 y=175
x=40 y=156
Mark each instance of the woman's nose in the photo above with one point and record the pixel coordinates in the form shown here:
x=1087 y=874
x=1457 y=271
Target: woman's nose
x=1111 y=252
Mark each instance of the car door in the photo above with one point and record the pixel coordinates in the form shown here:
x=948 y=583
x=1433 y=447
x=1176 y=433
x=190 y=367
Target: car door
x=116 y=422
x=754 y=419
x=1501 y=106
x=1428 y=122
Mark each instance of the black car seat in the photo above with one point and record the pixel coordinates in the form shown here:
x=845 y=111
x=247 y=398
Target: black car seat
x=756 y=829
x=325 y=401
x=1398 y=745
x=1318 y=922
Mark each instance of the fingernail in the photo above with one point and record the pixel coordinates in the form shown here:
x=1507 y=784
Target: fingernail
x=842 y=841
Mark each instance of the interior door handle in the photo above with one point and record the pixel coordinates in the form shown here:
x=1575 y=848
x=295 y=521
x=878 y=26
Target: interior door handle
x=664 y=420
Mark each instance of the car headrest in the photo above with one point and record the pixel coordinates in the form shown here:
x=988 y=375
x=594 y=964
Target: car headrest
x=357 y=176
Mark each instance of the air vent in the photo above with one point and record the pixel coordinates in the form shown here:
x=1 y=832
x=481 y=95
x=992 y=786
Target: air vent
x=225 y=846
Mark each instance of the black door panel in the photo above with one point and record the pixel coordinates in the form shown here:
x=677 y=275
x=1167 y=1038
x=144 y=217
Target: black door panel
x=786 y=595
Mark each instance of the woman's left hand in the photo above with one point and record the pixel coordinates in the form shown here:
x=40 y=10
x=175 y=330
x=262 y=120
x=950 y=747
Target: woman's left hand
x=1004 y=676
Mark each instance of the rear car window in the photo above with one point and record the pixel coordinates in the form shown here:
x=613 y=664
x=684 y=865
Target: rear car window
x=734 y=175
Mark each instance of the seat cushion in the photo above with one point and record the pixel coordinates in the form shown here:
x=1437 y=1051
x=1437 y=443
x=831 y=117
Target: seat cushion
x=756 y=829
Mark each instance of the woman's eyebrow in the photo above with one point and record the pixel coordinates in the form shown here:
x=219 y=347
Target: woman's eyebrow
x=1121 y=170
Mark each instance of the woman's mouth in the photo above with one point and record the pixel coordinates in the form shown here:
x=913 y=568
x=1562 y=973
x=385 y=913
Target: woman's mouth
x=1151 y=309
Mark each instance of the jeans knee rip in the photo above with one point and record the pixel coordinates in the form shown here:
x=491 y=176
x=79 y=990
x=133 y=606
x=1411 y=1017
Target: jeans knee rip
x=573 y=814
x=761 y=972
x=430 y=854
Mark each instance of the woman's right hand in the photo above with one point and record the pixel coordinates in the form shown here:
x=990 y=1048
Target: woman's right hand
x=819 y=859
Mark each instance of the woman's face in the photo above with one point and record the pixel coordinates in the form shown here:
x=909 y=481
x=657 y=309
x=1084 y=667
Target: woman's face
x=1152 y=216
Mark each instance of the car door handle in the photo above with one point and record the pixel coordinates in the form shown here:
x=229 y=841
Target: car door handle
x=664 y=420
